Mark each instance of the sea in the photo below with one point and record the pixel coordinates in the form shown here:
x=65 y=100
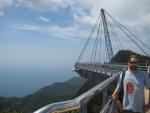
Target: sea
x=22 y=80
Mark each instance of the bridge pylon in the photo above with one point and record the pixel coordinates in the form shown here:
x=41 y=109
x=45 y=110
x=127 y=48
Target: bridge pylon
x=107 y=36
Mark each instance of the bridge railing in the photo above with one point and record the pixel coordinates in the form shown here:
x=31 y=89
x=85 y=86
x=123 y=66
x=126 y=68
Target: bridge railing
x=99 y=65
x=99 y=68
x=79 y=102
x=96 y=66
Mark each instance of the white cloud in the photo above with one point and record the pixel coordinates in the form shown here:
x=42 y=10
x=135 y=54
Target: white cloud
x=44 y=5
x=70 y=32
x=65 y=32
x=86 y=12
x=26 y=27
x=126 y=11
x=135 y=15
x=38 y=5
x=2 y=13
x=4 y=4
x=84 y=19
x=44 y=19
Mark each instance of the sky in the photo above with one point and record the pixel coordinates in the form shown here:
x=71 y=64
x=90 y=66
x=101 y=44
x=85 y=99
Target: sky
x=49 y=34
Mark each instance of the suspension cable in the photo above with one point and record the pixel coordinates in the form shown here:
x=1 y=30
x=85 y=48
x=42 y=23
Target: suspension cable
x=87 y=42
x=98 y=38
x=120 y=26
x=98 y=31
x=119 y=44
x=93 y=51
x=113 y=35
x=146 y=46
x=106 y=52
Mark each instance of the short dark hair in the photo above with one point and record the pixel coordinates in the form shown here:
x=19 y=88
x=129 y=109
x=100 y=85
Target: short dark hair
x=133 y=56
x=147 y=62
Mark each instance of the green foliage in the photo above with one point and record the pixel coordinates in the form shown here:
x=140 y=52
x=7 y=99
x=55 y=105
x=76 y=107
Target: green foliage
x=8 y=110
x=94 y=105
x=85 y=87
x=46 y=95
x=11 y=103
x=122 y=57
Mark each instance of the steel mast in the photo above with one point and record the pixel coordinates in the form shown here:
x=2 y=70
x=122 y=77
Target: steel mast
x=107 y=36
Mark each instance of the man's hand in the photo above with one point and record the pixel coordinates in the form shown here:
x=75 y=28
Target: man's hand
x=115 y=94
x=146 y=107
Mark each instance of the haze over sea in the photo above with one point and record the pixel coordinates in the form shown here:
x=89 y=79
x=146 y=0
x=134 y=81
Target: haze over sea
x=23 y=80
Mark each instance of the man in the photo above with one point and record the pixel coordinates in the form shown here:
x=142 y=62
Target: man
x=148 y=69
x=133 y=85
x=148 y=73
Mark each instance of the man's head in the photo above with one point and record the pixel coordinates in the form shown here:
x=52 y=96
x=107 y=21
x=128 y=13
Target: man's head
x=133 y=62
x=147 y=63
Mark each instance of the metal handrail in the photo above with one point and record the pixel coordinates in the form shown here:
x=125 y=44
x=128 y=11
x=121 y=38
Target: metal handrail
x=107 y=106
x=80 y=100
x=106 y=66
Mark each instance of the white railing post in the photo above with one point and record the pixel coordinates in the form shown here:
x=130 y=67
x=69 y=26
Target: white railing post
x=83 y=108
x=104 y=96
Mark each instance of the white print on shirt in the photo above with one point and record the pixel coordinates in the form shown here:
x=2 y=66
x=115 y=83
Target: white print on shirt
x=130 y=87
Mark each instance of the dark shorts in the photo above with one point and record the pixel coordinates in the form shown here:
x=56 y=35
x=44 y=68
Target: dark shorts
x=129 y=111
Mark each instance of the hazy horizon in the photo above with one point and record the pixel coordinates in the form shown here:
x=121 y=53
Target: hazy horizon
x=21 y=80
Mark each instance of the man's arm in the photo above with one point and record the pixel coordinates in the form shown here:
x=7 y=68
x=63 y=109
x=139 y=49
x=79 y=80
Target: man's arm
x=147 y=82
x=117 y=90
x=115 y=94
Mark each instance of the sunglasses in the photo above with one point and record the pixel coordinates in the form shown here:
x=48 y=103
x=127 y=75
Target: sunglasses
x=133 y=62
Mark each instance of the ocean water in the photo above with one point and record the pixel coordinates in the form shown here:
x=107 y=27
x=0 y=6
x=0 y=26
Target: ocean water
x=24 y=80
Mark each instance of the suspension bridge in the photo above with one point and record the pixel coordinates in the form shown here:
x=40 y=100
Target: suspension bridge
x=96 y=62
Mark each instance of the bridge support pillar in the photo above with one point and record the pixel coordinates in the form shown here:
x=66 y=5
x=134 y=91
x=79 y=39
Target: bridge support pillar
x=104 y=96
x=83 y=108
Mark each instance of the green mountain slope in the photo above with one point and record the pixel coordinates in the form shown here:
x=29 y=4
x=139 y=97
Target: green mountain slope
x=46 y=95
x=122 y=57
